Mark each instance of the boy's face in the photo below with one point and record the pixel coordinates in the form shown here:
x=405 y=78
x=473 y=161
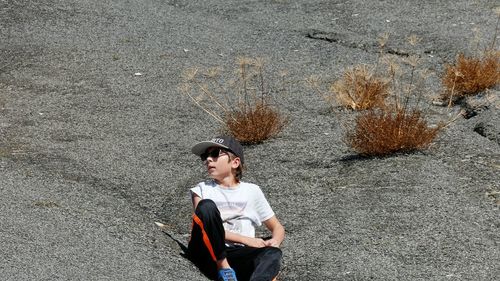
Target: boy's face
x=219 y=165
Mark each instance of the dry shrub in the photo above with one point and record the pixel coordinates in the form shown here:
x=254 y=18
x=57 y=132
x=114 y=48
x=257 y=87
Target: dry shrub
x=359 y=89
x=397 y=124
x=242 y=105
x=383 y=132
x=471 y=75
x=254 y=124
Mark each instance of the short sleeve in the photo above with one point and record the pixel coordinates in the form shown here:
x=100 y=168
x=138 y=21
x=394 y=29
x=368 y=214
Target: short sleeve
x=196 y=190
x=262 y=207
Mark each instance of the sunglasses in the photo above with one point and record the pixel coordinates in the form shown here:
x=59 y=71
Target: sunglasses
x=213 y=153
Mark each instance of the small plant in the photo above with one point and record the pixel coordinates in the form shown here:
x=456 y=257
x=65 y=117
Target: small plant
x=359 y=89
x=383 y=132
x=388 y=101
x=396 y=124
x=242 y=106
x=253 y=124
x=471 y=75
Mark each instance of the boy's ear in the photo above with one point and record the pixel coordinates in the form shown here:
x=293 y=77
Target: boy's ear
x=235 y=163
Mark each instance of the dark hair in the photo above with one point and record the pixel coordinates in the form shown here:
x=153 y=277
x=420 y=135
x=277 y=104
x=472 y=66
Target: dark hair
x=239 y=170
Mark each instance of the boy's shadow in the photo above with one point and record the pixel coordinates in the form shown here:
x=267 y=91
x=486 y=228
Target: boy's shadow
x=183 y=247
x=185 y=253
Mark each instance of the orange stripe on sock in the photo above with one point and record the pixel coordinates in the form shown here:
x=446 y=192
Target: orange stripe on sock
x=197 y=220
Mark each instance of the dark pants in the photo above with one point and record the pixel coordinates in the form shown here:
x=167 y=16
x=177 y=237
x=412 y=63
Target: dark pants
x=207 y=245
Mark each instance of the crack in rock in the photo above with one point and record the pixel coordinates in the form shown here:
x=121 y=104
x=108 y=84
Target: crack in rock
x=487 y=131
x=472 y=106
x=341 y=39
x=333 y=37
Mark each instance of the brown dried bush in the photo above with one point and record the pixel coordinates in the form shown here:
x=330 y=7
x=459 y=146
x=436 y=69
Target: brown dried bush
x=471 y=75
x=242 y=105
x=398 y=124
x=255 y=123
x=383 y=132
x=359 y=89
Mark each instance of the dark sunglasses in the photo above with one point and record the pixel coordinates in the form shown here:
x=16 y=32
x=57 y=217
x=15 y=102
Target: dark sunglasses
x=213 y=153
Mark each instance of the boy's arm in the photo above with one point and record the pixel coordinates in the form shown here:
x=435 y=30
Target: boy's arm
x=249 y=241
x=277 y=230
x=196 y=199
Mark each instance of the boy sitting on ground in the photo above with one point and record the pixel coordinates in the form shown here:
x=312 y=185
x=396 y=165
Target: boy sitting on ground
x=226 y=211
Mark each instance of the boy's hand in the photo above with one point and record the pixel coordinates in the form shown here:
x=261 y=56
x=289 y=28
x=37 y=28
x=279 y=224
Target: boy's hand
x=255 y=242
x=272 y=243
x=277 y=230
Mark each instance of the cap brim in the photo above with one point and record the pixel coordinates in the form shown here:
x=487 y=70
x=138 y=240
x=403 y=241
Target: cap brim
x=201 y=147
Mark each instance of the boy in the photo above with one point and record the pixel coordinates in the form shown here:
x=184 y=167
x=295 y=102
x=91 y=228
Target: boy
x=226 y=212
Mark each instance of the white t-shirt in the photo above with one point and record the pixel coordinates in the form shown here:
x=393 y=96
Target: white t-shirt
x=242 y=209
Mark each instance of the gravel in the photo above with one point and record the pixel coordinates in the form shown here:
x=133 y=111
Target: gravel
x=92 y=154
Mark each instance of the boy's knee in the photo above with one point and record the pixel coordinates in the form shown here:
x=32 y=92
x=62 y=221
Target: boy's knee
x=206 y=207
x=274 y=252
x=205 y=204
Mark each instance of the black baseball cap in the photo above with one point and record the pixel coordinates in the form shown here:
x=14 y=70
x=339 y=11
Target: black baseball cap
x=227 y=142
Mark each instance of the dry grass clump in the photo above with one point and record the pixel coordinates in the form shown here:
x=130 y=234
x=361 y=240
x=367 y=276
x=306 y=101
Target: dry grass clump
x=383 y=132
x=359 y=89
x=242 y=105
x=471 y=75
x=395 y=124
x=254 y=124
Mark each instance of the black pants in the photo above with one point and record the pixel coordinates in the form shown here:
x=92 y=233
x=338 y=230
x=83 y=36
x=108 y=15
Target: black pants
x=207 y=245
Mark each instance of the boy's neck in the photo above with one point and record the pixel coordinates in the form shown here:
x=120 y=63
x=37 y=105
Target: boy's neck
x=228 y=183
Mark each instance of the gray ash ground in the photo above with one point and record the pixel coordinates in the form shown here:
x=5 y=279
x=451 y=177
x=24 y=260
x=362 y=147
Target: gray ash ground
x=91 y=154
